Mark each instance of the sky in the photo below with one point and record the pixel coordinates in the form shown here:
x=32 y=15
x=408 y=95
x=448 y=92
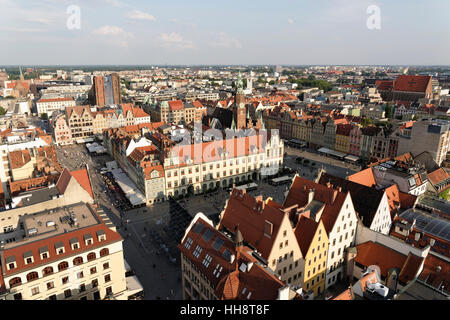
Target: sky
x=207 y=32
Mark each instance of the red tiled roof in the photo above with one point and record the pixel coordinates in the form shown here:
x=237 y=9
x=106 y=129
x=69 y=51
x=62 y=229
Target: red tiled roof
x=230 y=282
x=54 y=100
x=436 y=273
x=364 y=177
x=18 y=251
x=371 y=253
x=305 y=230
x=209 y=151
x=438 y=176
x=82 y=177
x=346 y=295
x=176 y=105
x=19 y=158
x=412 y=83
x=384 y=84
x=250 y=215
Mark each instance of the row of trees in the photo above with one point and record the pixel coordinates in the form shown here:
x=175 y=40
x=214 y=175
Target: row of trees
x=311 y=82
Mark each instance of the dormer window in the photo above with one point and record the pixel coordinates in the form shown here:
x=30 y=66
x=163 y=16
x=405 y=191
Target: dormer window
x=88 y=240
x=74 y=244
x=11 y=262
x=101 y=235
x=43 y=252
x=59 y=247
x=28 y=257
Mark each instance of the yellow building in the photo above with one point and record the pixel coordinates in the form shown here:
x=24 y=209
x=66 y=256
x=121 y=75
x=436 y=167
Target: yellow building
x=342 y=143
x=313 y=241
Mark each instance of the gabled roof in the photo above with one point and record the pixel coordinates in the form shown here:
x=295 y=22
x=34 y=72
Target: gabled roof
x=223 y=271
x=364 y=177
x=365 y=200
x=305 y=231
x=332 y=199
x=81 y=176
x=250 y=215
x=412 y=83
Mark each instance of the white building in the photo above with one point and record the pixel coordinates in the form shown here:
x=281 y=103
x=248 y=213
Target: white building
x=49 y=105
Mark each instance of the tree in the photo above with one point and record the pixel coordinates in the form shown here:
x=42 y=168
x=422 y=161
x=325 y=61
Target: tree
x=44 y=116
x=2 y=111
x=366 y=122
x=388 y=111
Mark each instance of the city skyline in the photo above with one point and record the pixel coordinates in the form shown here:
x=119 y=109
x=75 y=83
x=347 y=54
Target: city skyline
x=232 y=33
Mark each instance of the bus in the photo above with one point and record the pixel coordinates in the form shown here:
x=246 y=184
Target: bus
x=248 y=187
x=280 y=181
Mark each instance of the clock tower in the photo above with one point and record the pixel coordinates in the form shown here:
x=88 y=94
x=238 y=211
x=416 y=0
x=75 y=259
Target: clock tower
x=239 y=110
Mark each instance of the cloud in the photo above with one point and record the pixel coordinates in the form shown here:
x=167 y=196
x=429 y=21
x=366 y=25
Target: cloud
x=175 y=40
x=290 y=21
x=139 y=15
x=115 y=36
x=114 y=3
x=225 y=41
x=112 y=31
x=21 y=30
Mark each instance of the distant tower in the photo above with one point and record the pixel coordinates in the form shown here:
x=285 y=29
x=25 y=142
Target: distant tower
x=250 y=81
x=239 y=110
x=21 y=74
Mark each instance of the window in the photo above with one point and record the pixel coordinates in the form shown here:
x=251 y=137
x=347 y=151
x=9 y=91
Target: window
x=108 y=278
x=77 y=261
x=65 y=280
x=91 y=256
x=80 y=275
x=50 y=285
x=14 y=282
x=197 y=251
x=93 y=270
x=34 y=291
x=52 y=297
x=106 y=265
x=207 y=260
x=32 y=276
x=18 y=296
x=67 y=293
x=104 y=252
x=94 y=283
x=47 y=271
x=82 y=287
x=109 y=291
x=63 y=266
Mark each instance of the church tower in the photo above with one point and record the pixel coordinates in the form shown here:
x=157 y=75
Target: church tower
x=239 y=110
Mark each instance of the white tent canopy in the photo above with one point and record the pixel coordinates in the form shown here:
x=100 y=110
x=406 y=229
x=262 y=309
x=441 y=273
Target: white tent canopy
x=128 y=187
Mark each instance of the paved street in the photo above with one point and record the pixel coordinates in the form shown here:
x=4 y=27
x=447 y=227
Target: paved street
x=331 y=165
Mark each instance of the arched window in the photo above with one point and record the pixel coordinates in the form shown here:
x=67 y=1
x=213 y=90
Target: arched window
x=77 y=261
x=32 y=276
x=63 y=266
x=104 y=252
x=91 y=256
x=14 y=282
x=47 y=271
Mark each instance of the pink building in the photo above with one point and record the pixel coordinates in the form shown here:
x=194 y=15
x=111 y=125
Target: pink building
x=61 y=131
x=355 y=141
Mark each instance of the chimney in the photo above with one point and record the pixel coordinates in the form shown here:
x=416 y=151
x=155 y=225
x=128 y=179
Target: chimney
x=417 y=236
x=311 y=195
